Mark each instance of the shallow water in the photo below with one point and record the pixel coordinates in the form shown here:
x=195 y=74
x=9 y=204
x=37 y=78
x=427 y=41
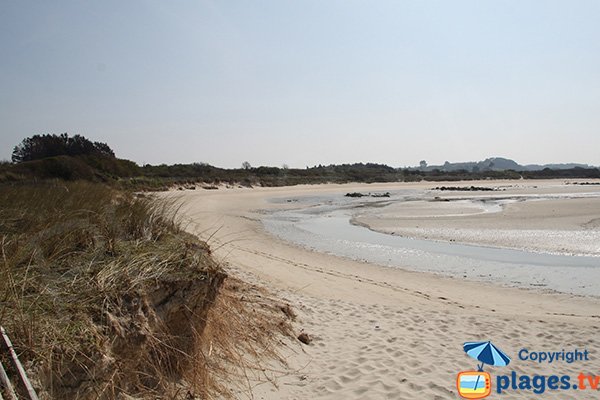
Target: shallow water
x=323 y=224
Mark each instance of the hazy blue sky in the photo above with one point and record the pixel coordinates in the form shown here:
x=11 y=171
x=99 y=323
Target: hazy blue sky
x=306 y=82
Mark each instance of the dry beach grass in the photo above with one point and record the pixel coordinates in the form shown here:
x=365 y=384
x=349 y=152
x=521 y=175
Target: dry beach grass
x=105 y=296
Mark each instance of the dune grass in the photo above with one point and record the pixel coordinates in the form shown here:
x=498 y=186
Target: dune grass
x=105 y=295
x=83 y=271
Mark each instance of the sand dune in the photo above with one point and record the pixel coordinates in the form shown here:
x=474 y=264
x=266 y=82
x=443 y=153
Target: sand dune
x=383 y=333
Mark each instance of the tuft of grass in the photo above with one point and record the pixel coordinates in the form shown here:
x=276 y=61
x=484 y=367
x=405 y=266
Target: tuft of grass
x=240 y=345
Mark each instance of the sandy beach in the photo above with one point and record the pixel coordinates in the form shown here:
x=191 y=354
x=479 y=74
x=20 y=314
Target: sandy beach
x=391 y=333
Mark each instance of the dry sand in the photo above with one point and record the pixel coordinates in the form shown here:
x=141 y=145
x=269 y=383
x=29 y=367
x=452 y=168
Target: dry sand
x=386 y=333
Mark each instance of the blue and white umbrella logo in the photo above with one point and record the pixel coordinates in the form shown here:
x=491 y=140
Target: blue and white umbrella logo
x=486 y=353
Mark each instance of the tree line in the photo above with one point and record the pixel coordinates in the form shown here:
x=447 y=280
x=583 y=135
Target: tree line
x=76 y=157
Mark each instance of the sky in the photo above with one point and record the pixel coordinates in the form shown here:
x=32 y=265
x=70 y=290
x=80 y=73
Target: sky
x=306 y=82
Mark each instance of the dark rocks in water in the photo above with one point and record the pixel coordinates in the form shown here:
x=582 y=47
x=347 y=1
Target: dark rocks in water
x=466 y=188
x=357 y=194
x=386 y=194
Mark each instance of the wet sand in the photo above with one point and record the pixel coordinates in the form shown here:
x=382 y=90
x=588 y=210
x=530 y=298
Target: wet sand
x=555 y=225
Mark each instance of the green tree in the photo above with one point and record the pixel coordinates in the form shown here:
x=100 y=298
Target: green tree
x=37 y=147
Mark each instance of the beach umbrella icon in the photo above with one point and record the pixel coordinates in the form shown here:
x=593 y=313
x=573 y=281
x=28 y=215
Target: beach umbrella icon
x=487 y=353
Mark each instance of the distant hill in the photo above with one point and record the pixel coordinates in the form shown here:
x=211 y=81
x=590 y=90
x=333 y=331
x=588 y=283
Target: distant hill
x=537 y=167
x=497 y=164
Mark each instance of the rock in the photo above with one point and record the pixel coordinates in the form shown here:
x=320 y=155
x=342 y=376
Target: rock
x=287 y=310
x=304 y=338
